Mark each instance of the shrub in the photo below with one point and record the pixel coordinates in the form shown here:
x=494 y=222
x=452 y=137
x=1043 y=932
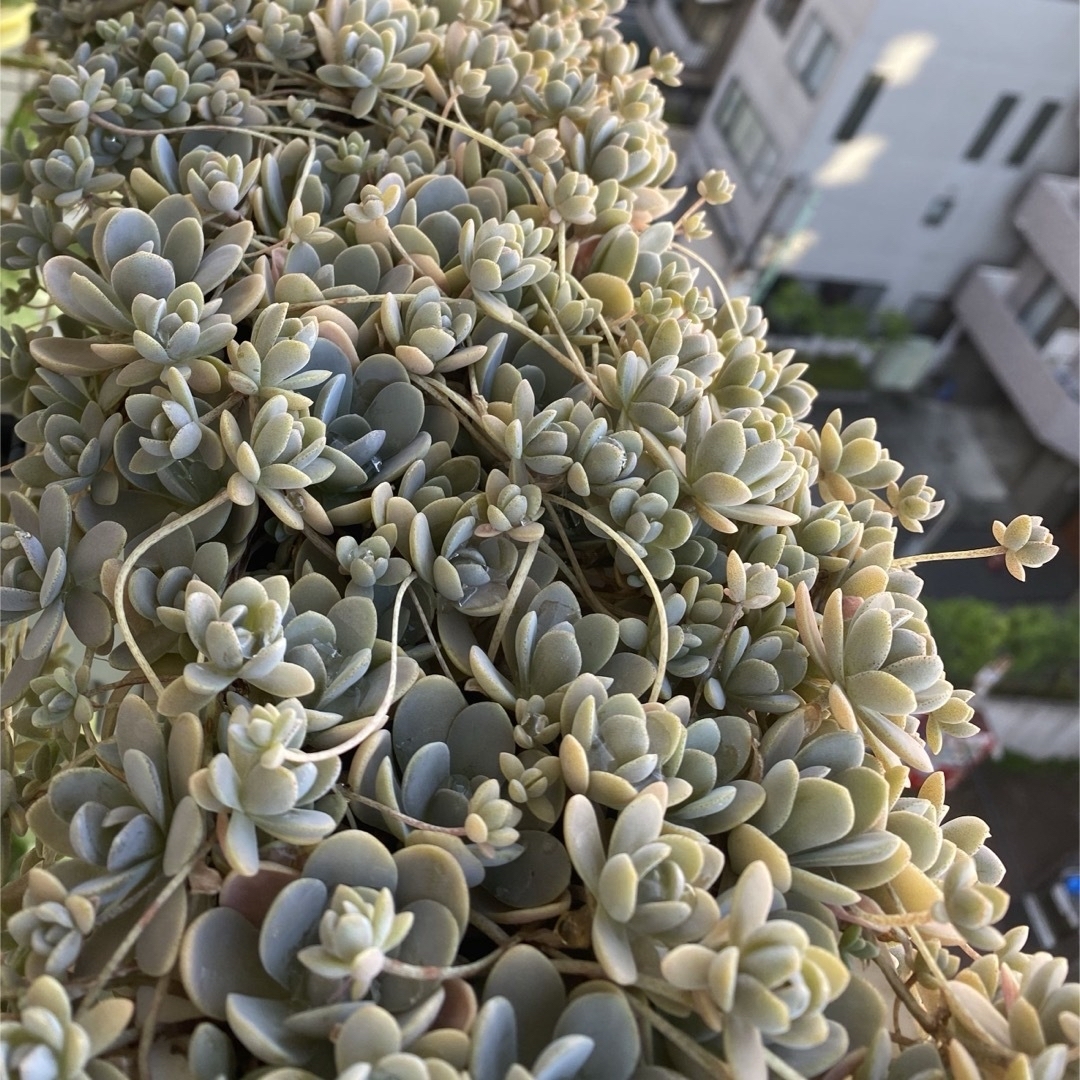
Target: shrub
x=795 y=309
x=1040 y=640
x=840 y=372
x=969 y=632
x=436 y=644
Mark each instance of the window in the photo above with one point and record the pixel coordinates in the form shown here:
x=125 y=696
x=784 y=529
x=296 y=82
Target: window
x=706 y=24
x=782 y=13
x=937 y=210
x=812 y=56
x=862 y=295
x=991 y=126
x=1048 y=309
x=1039 y=123
x=750 y=143
x=860 y=106
x=930 y=316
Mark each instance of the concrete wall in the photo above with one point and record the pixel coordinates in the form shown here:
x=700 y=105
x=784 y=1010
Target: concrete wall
x=1052 y=416
x=1048 y=218
x=760 y=62
x=946 y=63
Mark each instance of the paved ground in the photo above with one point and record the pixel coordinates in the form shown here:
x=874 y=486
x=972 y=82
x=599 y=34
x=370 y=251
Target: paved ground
x=1037 y=729
x=1033 y=811
x=963 y=447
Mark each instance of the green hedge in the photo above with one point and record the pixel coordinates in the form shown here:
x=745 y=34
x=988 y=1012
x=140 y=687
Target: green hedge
x=842 y=372
x=1042 y=639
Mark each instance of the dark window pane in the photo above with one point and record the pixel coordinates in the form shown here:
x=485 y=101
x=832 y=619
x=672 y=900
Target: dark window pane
x=812 y=56
x=749 y=140
x=938 y=210
x=1039 y=123
x=991 y=126
x=704 y=23
x=1047 y=310
x=782 y=13
x=929 y=315
x=859 y=107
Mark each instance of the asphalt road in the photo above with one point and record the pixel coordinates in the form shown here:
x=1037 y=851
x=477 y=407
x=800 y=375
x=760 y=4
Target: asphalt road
x=1033 y=811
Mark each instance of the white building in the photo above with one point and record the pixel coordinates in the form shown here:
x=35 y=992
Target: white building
x=878 y=145
x=1020 y=319
x=916 y=156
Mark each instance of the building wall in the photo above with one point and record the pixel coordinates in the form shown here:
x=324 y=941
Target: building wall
x=759 y=61
x=1040 y=373
x=857 y=206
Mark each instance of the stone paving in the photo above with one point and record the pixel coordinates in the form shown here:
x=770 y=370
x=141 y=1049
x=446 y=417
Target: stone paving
x=1039 y=729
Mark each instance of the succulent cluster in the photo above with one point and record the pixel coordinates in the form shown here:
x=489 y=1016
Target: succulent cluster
x=436 y=644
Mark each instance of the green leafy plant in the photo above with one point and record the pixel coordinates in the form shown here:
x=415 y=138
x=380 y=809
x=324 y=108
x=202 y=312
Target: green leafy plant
x=796 y=309
x=436 y=644
x=1040 y=640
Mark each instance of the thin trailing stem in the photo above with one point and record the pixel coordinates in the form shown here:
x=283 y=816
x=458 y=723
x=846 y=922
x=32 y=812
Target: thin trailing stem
x=382 y=714
x=398 y=815
x=650 y=581
x=701 y=1057
x=144 y=920
x=522 y=916
x=436 y=647
x=592 y=970
x=487 y=927
x=465 y=128
x=511 y=597
x=711 y=270
x=100 y=121
x=582 y=371
x=462 y=406
x=321 y=106
x=359 y=298
x=918 y=1013
x=149 y=1026
x=576 y=574
x=431 y=972
x=728 y=630
x=948 y=556
x=574 y=364
x=320 y=543
x=120 y=591
x=233 y=399
x=605 y=326
x=691 y=210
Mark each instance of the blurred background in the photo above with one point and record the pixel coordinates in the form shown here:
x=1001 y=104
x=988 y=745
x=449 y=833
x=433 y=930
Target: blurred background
x=908 y=213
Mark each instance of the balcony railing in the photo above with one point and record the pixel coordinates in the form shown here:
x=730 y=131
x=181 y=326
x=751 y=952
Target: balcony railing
x=1023 y=371
x=1048 y=217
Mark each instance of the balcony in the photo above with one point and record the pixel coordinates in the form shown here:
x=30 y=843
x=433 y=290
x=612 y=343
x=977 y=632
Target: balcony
x=1048 y=218
x=1036 y=380
x=661 y=22
x=697 y=44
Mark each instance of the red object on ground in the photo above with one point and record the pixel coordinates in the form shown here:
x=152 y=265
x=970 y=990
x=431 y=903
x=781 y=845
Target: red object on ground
x=958 y=757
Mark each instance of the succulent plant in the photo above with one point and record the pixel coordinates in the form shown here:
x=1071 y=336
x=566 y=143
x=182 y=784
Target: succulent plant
x=52 y=925
x=258 y=790
x=126 y=830
x=650 y=886
x=47 y=1040
x=759 y=979
x=282 y=995
x=241 y=635
x=50 y=573
x=1027 y=542
x=412 y=555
